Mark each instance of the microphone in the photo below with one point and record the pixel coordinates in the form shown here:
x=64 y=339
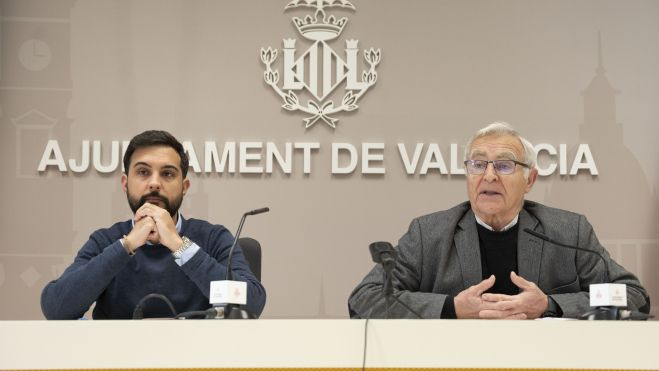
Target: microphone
x=257 y=211
x=262 y=210
x=606 y=297
x=232 y=292
x=385 y=254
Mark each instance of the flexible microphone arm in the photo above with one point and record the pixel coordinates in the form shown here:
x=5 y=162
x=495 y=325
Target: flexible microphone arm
x=262 y=210
x=138 y=312
x=547 y=239
x=209 y=313
x=599 y=313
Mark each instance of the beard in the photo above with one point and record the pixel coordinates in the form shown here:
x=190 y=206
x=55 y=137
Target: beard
x=171 y=206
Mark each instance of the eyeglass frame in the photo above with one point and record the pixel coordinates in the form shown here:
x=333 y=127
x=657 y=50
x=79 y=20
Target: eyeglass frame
x=488 y=162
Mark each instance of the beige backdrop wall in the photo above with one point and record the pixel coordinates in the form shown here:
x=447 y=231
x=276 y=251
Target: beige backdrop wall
x=562 y=72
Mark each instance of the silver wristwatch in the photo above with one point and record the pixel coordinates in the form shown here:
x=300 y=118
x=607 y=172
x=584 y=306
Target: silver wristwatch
x=186 y=243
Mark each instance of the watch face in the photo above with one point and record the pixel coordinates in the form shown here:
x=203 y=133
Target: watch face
x=34 y=55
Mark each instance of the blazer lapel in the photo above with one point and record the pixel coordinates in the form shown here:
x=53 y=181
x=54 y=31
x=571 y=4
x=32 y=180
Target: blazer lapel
x=529 y=248
x=468 y=250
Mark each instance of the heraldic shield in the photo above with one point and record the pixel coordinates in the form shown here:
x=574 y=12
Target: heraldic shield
x=319 y=70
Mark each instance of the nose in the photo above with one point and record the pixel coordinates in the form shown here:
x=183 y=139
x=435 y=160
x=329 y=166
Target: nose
x=154 y=182
x=490 y=175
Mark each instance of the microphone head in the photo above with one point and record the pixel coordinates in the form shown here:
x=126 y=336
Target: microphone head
x=378 y=248
x=258 y=211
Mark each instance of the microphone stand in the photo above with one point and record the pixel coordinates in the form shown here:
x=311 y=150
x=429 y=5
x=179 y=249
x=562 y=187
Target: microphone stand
x=389 y=297
x=388 y=287
x=602 y=313
x=235 y=311
x=385 y=254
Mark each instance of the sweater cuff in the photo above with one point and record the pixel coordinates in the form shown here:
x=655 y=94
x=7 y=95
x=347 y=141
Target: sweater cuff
x=553 y=309
x=448 y=311
x=187 y=254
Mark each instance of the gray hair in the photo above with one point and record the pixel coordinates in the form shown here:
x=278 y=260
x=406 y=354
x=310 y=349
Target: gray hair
x=499 y=128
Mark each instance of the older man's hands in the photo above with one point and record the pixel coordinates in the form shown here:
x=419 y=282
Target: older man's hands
x=530 y=303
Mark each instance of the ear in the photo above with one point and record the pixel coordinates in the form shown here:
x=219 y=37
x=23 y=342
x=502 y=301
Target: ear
x=533 y=175
x=186 y=185
x=124 y=182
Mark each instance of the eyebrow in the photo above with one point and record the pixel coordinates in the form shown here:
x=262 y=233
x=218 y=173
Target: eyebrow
x=507 y=155
x=476 y=153
x=141 y=164
x=168 y=167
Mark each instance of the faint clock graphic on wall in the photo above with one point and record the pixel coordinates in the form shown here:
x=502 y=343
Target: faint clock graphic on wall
x=36 y=90
x=35 y=55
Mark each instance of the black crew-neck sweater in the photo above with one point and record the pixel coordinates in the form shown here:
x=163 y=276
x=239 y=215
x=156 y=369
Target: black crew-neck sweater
x=499 y=257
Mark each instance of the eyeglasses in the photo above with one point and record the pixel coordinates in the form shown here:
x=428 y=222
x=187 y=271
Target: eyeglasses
x=505 y=167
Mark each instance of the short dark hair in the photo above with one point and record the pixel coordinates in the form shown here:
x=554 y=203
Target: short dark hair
x=152 y=138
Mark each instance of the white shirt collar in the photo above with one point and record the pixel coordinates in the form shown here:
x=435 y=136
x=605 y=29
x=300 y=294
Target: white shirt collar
x=507 y=227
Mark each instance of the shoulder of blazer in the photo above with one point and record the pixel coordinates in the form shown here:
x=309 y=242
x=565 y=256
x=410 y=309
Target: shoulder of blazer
x=445 y=221
x=555 y=222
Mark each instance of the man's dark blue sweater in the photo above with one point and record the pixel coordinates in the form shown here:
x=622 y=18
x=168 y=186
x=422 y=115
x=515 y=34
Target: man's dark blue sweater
x=104 y=273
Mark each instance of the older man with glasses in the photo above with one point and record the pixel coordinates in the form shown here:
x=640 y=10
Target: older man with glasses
x=476 y=261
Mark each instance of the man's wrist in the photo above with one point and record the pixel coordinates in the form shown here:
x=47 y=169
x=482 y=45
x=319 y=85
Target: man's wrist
x=127 y=245
x=553 y=309
x=448 y=310
x=185 y=243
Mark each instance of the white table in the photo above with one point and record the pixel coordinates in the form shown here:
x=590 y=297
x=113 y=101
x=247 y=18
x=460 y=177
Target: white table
x=324 y=344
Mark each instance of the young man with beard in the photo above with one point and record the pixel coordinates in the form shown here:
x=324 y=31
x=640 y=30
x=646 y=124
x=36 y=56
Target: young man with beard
x=476 y=261
x=158 y=251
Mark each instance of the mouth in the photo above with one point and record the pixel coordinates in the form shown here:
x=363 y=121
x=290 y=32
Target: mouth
x=489 y=193
x=154 y=200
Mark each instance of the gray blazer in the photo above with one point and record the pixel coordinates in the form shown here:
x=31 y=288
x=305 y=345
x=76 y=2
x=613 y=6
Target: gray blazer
x=439 y=256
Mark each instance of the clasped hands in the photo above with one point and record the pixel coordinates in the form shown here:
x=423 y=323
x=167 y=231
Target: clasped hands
x=154 y=224
x=473 y=302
